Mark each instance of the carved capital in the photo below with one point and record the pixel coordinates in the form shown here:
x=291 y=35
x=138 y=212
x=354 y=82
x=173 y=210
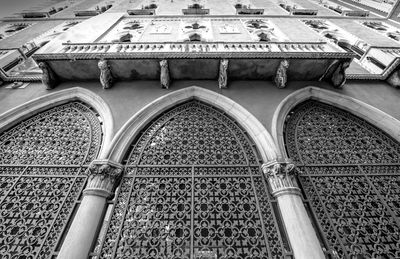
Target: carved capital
x=106 y=77
x=281 y=74
x=104 y=176
x=281 y=177
x=223 y=73
x=165 y=80
x=49 y=78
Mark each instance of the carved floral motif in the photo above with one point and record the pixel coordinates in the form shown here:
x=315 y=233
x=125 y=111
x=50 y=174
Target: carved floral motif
x=103 y=177
x=280 y=175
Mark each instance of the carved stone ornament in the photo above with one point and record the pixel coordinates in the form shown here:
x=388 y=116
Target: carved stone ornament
x=106 y=78
x=104 y=176
x=164 y=74
x=394 y=79
x=223 y=73
x=281 y=177
x=336 y=73
x=281 y=74
x=49 y=78
x=338 y=78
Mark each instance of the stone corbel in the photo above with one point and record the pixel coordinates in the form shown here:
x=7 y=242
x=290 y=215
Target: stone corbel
x=281 y=177
x=106 y=77
x=223 y=73
x=49 y=78
x=104 y=176
x=281 y=74
x=394 y=79
x=336 y=73
x=165 y=80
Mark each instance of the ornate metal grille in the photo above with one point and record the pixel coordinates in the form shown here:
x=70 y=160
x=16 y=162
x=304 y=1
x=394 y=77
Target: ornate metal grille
x=350 y=177
x=42 y=162
x=193 y=189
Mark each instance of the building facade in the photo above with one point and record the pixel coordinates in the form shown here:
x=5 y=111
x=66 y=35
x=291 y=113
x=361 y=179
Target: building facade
x=200 y=129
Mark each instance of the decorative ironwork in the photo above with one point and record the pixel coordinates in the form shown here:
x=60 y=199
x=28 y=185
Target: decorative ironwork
x=65 y=135
x=350 y=179
x=192 y=189
x=41 y=177
x=193 y=134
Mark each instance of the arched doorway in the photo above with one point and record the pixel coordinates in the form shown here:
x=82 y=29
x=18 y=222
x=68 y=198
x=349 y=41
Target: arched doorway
x=192 y=189
x=350 y=178
x=42 y=164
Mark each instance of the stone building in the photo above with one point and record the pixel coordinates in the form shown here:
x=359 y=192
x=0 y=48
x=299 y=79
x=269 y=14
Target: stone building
x=200 y=129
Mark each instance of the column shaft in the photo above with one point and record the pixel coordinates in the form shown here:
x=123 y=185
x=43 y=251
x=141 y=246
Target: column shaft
x=104 y=175
x=301 y=234
x=83 y=230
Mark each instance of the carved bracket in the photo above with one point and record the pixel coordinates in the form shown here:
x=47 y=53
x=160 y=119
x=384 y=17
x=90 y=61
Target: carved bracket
x=281 y=74
x=394 y=79
x=281 y=177
x=336 y=73
x=164 y=74
x=223 y=73
x=104 y=176
x=106 y=78
x=49 y=78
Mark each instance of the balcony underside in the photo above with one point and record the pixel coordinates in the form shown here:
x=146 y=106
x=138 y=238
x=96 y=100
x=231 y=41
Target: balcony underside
x=190 y=68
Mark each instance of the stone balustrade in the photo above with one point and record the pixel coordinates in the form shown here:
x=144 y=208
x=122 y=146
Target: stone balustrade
x=214 y=47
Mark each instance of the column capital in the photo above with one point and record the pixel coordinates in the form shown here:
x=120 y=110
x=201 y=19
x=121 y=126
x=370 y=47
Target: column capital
x=103 y=176
x=281 y=177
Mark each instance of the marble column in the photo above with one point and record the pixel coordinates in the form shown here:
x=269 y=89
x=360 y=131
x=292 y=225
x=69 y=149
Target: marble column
x=282 y=180
x=104 y=175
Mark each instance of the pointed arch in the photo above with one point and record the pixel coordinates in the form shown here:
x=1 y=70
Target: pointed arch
x=246 y=120
x=35 y=106
x=380 y=119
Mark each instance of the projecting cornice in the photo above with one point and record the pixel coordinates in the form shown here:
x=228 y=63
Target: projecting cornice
x=198 y=60
x=179 y=50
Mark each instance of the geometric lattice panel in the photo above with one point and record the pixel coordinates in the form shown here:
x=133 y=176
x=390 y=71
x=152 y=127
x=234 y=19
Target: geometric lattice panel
x=34 y=210
x=193 y=133
x=351 y=179
x=192 y=189
x=192 y=217
x=69 y=134
x=317 y=133
x=41 y=178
